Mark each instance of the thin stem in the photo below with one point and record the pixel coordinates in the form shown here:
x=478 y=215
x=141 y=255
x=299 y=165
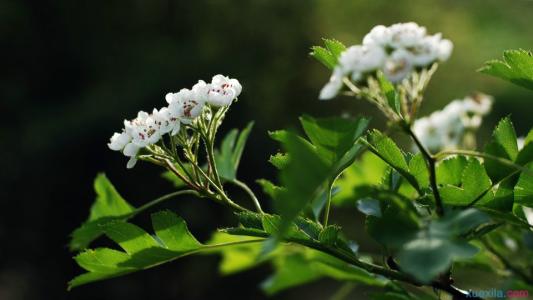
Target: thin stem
x=328 y=205
x=430 y=160
x=351 y=86
x=249 y=191
x=225 y=198
x=506 y=262
x=173 y=169
x=161 y=199
x=216 y=246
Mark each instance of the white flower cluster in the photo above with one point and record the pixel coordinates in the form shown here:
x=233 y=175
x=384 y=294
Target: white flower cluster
x=396 y=50
x=183 y=108
x=445 y=129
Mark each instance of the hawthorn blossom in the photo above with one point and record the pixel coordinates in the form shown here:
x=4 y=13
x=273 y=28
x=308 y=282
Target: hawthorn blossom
x=183 y=108
x=223 y=90
x=185 y=105
x=397 y=51
x=445 y=129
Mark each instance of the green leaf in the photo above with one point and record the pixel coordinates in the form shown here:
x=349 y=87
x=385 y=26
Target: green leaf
x=434 y=248
x=450 y=171
x=394 y=228
x=427 y=257
x=388 y=151
x=335 y=137
x=236 y=258
x=474 y=182
x=329 y=55
x=393 y=98
x=108 y=206
x=323 y=56
x=229 y=155
x=334 y=47
x=523 y=191
x=269 y=188
x=108 y=201
x=279 y=160
x=516 y=67
x=418 y=168
x=503 y=144
x=303 y=265
x=367 y=170
x=314 y=165
x=172 y=240
x=369 y=207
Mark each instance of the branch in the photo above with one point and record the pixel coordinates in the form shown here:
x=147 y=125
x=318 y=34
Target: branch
x=430 y=160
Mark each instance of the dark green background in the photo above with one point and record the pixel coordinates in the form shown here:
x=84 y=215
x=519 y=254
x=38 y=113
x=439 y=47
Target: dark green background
x=73 y=70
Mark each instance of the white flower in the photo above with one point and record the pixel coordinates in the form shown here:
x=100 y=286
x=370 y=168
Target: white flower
x=444 y=50
x=223 y=90
x=360 y=59
x=143 y=129
x=405 y=35
x=185 y=105
x=166 y=122
x=398 y=66
x=332 y=88
x=445 y=129
x=378 y=36
x=201 y=90
x=427 y=50
x=131 y=151
x=118 y=141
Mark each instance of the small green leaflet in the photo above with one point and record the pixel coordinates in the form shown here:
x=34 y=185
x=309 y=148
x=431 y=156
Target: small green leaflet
x=516 y=67
x=393 y=98
x=329 y=54
x=228 y=156
x=385 y=148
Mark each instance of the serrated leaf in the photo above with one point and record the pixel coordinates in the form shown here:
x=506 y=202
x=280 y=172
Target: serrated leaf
x=523 y=191
x=279 y=160
x=502 y=144
x=332 y=148
x=474 y=181
x=516 y=67
x=323 y=56
x=108 y=206
x=388 y=151
x=141 y=250
x=450 y=171
x=307 y=265
x=334 y=47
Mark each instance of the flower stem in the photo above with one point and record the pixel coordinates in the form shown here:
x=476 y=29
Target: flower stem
x=249 y=191
x=161 y=199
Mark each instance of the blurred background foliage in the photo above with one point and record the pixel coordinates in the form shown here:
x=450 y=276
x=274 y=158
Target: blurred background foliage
x=73 y=70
